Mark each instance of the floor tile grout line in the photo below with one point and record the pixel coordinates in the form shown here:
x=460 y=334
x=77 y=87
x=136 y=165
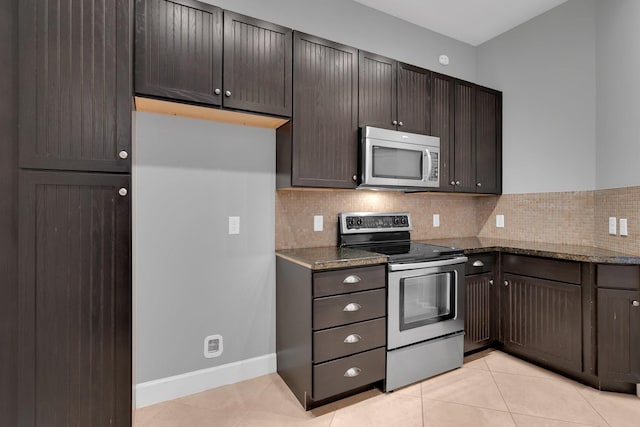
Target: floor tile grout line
x=466 y=404
x=493 y=378
x=594 y=408
x=555 y=419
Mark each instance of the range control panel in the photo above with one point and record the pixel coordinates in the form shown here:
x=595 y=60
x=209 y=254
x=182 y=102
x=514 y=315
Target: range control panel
x=370 y=222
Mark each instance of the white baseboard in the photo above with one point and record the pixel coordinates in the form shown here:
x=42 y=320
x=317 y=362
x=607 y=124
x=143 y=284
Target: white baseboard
x=163 y=389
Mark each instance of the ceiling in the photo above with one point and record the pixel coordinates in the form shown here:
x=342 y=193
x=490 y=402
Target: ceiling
x=470 y=21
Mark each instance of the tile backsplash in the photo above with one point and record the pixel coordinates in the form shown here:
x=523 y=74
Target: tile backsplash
x=575 y=218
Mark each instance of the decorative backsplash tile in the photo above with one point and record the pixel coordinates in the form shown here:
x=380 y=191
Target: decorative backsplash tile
x=574 y=218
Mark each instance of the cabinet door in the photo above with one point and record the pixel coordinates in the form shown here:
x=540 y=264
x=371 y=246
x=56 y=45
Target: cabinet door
x=488 y=141
x=257 y=65
x=414 y=85
x=325 y=115
x=544 y=320
x=442 y=111
x=75 y=85
x=74 y=300
x=377 y=95
x=465 y=130
x=179 y=50
x=619 y=335
x=478 y=311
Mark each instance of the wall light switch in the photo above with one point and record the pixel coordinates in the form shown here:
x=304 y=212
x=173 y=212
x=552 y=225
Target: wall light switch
x=500 y=221
x=623 y=227
x=436 y=220
x=612 y=225
x=234 y=225
x=318 y=223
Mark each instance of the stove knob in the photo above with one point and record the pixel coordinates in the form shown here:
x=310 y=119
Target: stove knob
x=404 y=220
x=359 y=221
x=396 y=220
x=349 y=222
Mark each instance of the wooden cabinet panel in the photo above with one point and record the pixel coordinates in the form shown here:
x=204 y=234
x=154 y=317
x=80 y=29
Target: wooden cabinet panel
x=618 y=276
x=414 y=85
x=178 y=50
x=319 y=147
x=619 y=335
x=349 y=280
x=544 y=268
x=75 y=85
x=465 y=133
x=442 y=113
x=345 y=340
x=479 y=311
x=377 y=96
x=257 y=65
x=488 y=141
x=544 y=320
x=74 y=300
x=348 y=308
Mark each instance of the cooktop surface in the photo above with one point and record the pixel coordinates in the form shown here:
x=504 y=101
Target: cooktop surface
x=411 y=251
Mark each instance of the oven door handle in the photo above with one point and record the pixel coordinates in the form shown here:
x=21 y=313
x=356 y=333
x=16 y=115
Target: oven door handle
x=427 y=154
x=426 y=264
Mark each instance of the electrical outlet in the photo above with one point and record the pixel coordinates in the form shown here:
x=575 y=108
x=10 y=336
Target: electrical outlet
x=500 y=221
x=234 y=225
x=612 y=225
x=436 y=220
x=318 y=223
x=212 y=346
x=623 y=227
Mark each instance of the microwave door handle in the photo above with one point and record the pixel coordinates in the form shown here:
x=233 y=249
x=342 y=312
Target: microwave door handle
x=427 y=154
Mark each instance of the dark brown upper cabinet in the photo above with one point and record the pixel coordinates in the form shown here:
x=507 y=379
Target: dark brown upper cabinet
x=318 y=147
x=442 y=113
x=464 y=153
x=180 y=52
x=488 y=141
x=257 y=65
x=393 y=95
x=74 y=300
x=75 y=86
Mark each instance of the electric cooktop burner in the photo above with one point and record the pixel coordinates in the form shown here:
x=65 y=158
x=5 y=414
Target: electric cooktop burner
x=388 y=234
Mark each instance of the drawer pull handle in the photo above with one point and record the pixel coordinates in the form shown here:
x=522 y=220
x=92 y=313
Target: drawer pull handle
x=636 y=303
x=478 y=263
x=352 y=306
x=352 y=372
x=352 y=339
x=352 y=279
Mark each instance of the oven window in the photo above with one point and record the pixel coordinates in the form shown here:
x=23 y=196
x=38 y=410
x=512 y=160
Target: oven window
x=396 y=163
x=426 y=299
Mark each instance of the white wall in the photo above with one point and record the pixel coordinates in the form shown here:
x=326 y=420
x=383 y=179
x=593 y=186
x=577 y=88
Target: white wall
x=351 y=23
x=192 y=278
x=618 y=93
x=546 y=69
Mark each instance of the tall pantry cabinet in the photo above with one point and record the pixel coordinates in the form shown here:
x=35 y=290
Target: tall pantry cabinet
x=74 y=213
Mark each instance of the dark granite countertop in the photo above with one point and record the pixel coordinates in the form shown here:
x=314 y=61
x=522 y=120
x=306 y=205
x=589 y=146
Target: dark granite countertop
x=476 y=245
x=329 y=257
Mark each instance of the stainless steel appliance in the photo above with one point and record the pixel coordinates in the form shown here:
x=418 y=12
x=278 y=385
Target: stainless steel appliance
x=425 y=295
x=400 y=160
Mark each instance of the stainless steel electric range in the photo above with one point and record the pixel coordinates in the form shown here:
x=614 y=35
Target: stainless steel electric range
x=425 y=295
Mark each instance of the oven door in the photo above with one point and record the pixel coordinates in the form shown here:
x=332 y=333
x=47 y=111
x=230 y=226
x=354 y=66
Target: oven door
x=426 y=301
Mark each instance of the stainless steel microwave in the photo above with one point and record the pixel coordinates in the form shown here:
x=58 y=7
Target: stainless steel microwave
x=398 y=160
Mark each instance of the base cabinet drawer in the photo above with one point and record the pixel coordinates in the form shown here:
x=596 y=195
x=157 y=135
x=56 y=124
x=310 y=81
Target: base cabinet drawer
x=348 y=308
x=341 y=375
x=349 y=280
x=345 y=340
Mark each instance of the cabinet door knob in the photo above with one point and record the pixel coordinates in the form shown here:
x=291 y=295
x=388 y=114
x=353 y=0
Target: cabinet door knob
x=352 y=306
x=491 y=281
x=352 y=339
x=123 y=192
x=457 y=182
x=395 y=122
x=506 y=283
x=354 y=178
x=352 y=279
x=400 y=124
x=479 y=184
x=123 y=154
x=227 y=93
x=352 y=372
x=216 y=91
x=635 y=303
x=478 y=263
x=453 y=183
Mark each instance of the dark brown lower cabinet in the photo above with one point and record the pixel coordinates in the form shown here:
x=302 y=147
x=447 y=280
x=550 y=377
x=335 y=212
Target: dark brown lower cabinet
x=478 y=311
x=619 y=335
x=74 y=300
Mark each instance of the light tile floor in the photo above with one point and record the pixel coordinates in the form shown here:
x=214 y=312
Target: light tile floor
x=491 y=389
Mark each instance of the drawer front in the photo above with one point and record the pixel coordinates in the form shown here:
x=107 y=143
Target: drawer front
x=618 y=276
x=345 y=340
x=349 y=280
x=349 y=308
x=481 y=263
x=345 y=374
x=543 y=268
